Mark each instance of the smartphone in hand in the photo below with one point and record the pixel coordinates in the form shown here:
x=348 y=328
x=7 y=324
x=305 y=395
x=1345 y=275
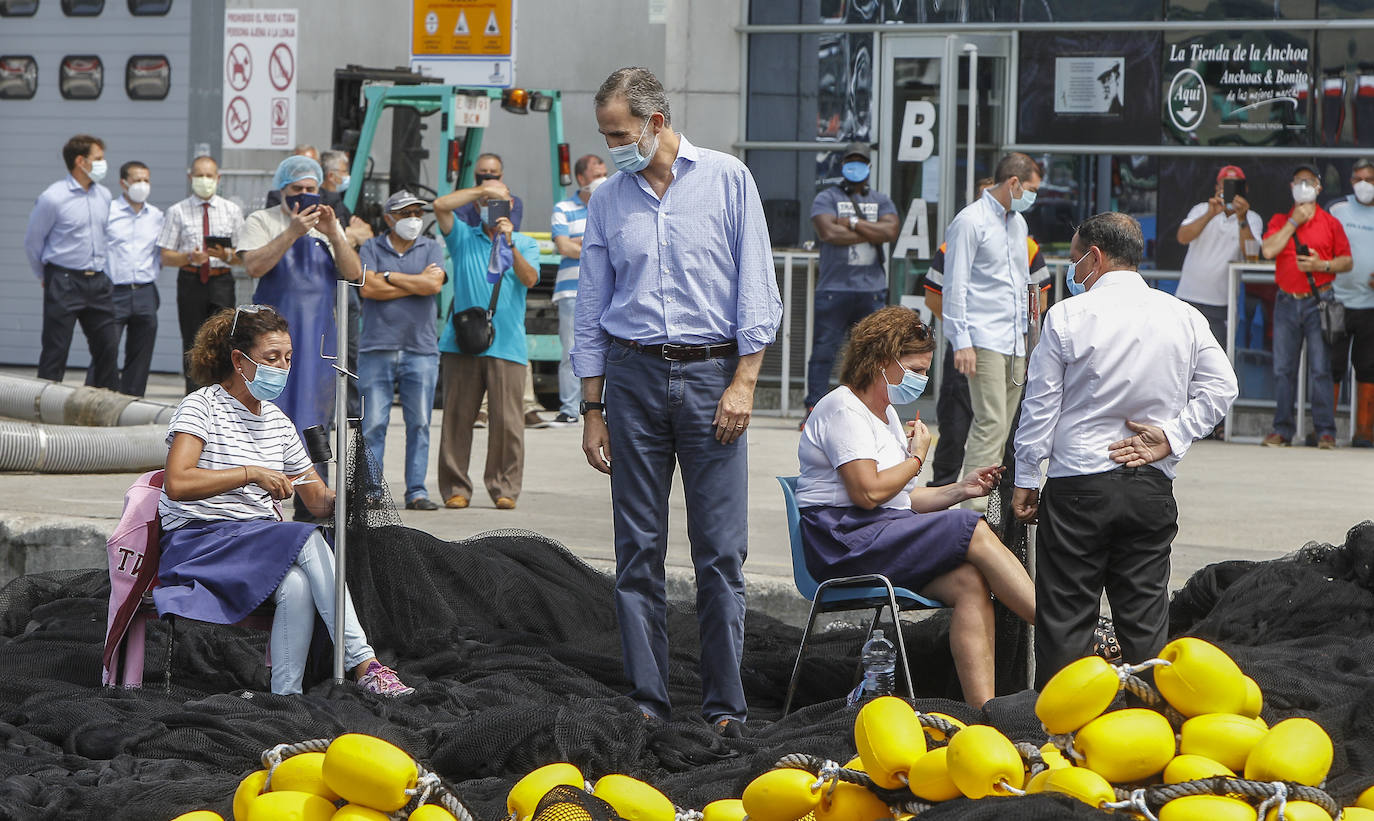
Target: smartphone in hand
x=1230 y=188
x=496 y=209
x=1302 y=249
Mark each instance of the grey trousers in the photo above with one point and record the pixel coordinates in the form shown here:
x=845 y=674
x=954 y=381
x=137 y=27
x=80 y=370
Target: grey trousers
x=659 y=413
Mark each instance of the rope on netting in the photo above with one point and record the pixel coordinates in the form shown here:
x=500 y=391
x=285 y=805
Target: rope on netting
x=680 y=814
x=1064 y=743
x=272 y=757
x=1278 y=800
x=1266 y=791
x=828 y=776
x=1142 y=690
x=1135 y=802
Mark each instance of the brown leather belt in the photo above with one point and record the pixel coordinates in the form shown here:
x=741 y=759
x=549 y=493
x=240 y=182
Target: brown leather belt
x=1321 y=289
x=214 y=271
x=671 y=352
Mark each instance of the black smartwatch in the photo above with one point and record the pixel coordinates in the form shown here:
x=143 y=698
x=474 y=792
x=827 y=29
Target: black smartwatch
x=591 y=406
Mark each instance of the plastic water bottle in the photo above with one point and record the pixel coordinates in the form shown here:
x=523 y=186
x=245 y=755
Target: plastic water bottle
x=879 y=659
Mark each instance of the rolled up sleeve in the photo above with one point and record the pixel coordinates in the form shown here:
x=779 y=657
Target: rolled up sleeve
x=1040 y=408
x=759 y=307
x=1211 y=390
x=595 y=281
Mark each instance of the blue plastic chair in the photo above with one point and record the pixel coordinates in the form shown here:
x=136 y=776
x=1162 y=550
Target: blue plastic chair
x=869 y=592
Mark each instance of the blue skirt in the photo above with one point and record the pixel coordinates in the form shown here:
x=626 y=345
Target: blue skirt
x=912 y=549
x=221 y=571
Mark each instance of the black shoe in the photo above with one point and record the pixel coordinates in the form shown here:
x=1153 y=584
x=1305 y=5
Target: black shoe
x=563 y=420
x=729 y=728
x=421 y=503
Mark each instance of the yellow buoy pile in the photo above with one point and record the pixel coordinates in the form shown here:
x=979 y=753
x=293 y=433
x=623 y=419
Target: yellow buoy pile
x=357 y=778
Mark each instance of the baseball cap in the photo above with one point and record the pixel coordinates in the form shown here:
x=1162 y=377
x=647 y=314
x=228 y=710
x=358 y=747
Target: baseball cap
x=856 y=149
x=401 y=199
x=1230 y=172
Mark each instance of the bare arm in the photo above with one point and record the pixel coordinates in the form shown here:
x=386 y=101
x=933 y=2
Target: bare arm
x=570 y=247
x=259 y=261
x=1277 y=241
x=185 y=482
x=869 y=487
x=829 y=229
x=445 y=206
x=1192 y=230
x=884 y=230
x=345 y=257
x=524 y=271
x=596 y=439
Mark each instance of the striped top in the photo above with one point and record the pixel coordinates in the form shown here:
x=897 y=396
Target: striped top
x=569 y=220
x=233 y=437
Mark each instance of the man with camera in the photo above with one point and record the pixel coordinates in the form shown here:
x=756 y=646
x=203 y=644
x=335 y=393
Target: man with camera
x=482 y=347
x=1217 y=233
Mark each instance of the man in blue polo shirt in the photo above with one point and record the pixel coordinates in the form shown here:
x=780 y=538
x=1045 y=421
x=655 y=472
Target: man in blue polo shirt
x=397 y=353
x=499 y=371
x=569 y=221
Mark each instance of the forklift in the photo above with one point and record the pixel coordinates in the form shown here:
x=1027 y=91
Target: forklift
x=360 y=97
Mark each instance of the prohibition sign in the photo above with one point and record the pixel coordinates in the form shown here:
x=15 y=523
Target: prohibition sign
x=239 y=66
x=281 y=67
x=237 y=119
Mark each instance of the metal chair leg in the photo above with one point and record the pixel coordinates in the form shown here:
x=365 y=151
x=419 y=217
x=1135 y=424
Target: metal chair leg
x=796 y=668
x=901 y=641
x=171 y=638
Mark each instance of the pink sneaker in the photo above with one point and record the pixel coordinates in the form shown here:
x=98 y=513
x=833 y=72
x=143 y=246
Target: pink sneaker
x=381 y=680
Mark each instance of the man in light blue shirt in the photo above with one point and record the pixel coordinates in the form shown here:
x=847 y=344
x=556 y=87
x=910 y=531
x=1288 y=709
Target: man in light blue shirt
x=65 y=244
x=135 y=259
x=567 y=226
x=1355 y=290
x=498 y=372
x=677 y=300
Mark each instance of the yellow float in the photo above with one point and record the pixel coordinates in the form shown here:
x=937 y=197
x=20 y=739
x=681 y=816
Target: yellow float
x=727 y=809
x=1200 y=678
x=981 y=761
x=303 y=772
x=356 y=812
x=939 y=735
x=248 y=789
x=290 y=806
x=1080 y=783
x=781 y=795
x=431 y=812
x=889 y=738
x=199 y=815
x=1053 y=758
x=1366 y=799
x=527 y=792
x=851 y=802
x=1296 y=749
x=634 y=800
x=1207 y=808
x=1298 y=811
x=1190 y=767
x=1077 y=694
x=1226 y=738
x=929 y=777
x=1254 y=699
x=1357 y=814
x=366 y=770
x=1127 y=745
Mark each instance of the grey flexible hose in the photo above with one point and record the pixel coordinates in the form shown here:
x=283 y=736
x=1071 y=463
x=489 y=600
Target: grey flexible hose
x=38 y=400
x=25 y=446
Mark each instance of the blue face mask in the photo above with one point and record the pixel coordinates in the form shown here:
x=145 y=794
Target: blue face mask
x=268 y=383
x=1075 y=287
x=483 y=214
x=627 y=157
x=300 y=202
x=1023 y=202
x=855 y=171
x=909 y=389
x=343 y=183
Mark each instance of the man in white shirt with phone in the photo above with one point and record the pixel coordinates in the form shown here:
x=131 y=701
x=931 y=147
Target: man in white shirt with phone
x=1217 y=233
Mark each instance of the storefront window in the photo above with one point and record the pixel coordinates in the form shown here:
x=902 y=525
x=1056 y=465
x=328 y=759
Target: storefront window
x=1040 y=11
x=1242 y=9
x=1100 y=88
x=783 y=83
x=787 y=185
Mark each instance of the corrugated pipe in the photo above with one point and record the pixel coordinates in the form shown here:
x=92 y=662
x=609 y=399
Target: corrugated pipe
x=39 y=400
x=25 y=446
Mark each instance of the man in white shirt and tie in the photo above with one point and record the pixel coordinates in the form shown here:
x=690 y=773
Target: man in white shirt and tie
x=1124 y=379
x=985 y=310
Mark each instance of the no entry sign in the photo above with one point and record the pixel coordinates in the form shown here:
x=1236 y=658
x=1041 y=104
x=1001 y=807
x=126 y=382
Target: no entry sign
x=259 y=97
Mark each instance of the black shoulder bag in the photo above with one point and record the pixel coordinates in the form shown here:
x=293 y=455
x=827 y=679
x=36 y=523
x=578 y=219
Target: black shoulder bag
x=472 y=327
x=1330 y=314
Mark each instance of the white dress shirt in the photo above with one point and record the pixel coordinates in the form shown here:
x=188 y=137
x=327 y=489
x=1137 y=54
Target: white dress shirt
x=182 y=231
x=987 y=269
x=131 y=243
x=1121 y=351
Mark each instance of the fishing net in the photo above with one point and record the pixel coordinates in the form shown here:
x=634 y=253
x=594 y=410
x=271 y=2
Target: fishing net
x=511 y=643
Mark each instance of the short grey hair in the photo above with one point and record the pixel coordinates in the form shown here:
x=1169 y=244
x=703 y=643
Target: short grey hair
x=334 y=160
x=1117 y=235
x=642 y=91
x=1362 y=164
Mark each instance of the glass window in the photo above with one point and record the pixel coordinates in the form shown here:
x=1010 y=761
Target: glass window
x=1099 y=88
x=762 y=12
x=1242 y=9
x=82 y=8
x=147 y=77
x=82 y=77
x=18 y=77
x=1345 y=8
x=18 y=8
x=149 y=8
x=1345 y=87
x=782 y=86
x=1048 y=11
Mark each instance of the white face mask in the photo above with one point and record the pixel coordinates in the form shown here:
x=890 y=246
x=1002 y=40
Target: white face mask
x=409 y=228
x=98 y=169
x=138 y=191
x=1364 y=191
x=1304 y=192
x=204 y=187
x=593 y=185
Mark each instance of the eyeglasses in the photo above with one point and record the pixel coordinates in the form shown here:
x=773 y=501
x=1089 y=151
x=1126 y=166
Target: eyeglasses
x=247 y=309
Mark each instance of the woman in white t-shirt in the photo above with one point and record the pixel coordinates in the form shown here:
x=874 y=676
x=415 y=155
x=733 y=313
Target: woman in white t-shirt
x=233 y=456
x=862 y=510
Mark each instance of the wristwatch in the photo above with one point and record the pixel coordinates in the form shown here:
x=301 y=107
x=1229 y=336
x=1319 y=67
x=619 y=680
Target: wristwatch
x=386 y=275
x=591 y=406
x=853 y=222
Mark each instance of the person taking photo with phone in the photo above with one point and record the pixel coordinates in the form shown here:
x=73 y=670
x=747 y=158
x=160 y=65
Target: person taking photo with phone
x=1217 y=233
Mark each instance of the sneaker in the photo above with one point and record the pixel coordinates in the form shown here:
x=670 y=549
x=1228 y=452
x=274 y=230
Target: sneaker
x=1326 y=442
x=421 y=503
x=562 y=420
x=481 y=420
x=381 y=680
x=1362 y=442
x=534 y=420
x=1273 y=440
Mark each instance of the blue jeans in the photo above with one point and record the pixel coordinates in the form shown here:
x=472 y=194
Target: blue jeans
x=836 y=313
x=569 y=386
x=1296 y=322
x=307 y=589
x=380 y=375
x=660 y=412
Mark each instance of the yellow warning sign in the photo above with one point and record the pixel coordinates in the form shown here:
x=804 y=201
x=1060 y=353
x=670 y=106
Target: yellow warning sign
x=461 y=28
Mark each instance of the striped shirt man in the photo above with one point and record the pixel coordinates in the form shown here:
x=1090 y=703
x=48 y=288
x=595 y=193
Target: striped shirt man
x=569 y=220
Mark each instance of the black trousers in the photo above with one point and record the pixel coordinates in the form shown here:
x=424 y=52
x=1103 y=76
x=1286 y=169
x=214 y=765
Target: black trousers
x=954 y=411
x=1109 y=531
x=135 y=310
x=69 y=298
x=197 y=303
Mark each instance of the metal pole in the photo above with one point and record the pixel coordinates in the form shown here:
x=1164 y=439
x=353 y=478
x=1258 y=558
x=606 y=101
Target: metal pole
x=1031 y=531
x=340 y=474
x=785 y=399
x=972 y=117
x=1232 y=283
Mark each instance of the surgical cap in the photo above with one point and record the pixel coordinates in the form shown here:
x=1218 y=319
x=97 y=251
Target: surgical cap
x=294 y=169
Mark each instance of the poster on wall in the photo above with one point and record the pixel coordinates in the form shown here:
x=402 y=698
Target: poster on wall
x=1089 y=85
x=1237 y=88
x=844 y=100
x=1099 y=89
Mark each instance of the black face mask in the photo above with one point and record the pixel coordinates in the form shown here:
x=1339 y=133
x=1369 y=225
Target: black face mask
x=481 y=178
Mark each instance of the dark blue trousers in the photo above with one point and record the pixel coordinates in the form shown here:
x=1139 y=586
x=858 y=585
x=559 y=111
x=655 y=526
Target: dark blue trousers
x=836 y=313
x=659 y=414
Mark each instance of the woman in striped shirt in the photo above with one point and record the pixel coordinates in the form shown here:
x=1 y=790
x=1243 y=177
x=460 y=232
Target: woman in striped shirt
x=233 y=456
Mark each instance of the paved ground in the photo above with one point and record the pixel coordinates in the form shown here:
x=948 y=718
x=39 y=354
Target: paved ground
x=1235 y=501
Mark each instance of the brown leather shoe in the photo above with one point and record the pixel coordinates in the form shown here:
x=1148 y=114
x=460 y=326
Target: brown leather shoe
x=505 y=503
x=456 y=502
x=1273 y=440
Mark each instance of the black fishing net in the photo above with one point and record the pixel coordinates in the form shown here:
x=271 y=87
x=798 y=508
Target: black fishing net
x=512 y=646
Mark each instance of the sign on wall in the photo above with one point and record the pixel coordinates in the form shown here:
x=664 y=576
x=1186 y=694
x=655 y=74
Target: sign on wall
x=464 y=42
x=260 y=60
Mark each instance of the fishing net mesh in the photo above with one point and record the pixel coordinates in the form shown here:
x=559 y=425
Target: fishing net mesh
x=511 y=643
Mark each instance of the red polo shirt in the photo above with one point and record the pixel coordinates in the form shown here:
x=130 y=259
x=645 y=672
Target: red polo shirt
x=1324 y=237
